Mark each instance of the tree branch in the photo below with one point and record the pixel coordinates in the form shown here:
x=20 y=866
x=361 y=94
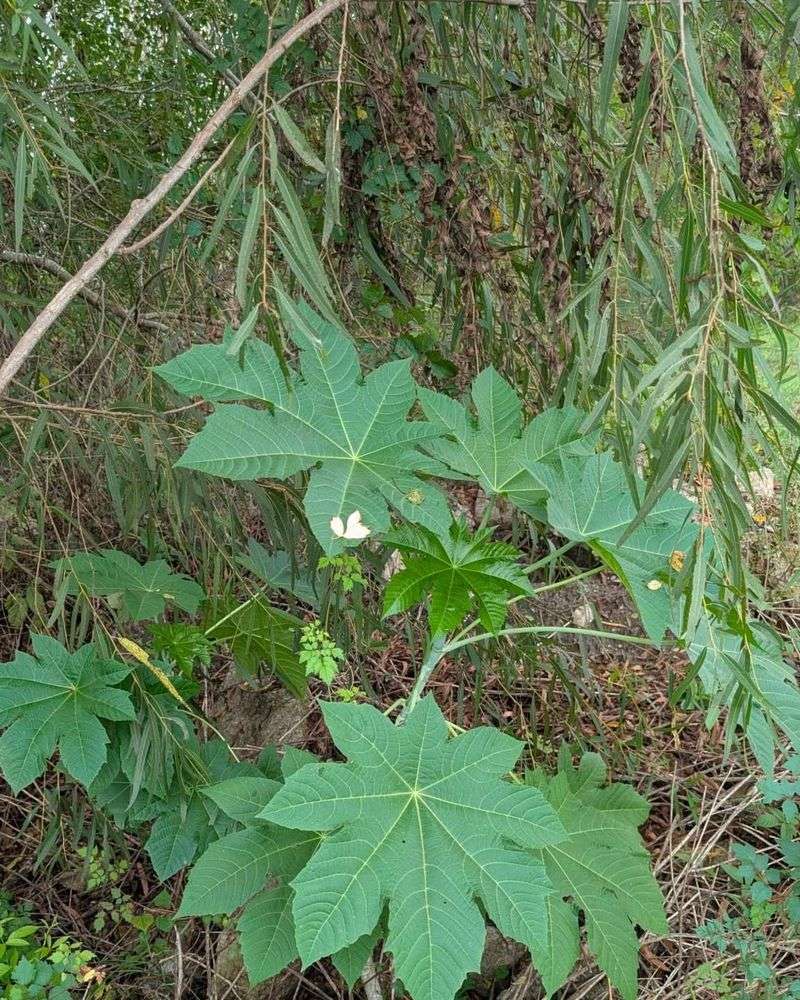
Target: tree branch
x=54 y=268
x=198 y=43
x=142 y=207
x=176 y=213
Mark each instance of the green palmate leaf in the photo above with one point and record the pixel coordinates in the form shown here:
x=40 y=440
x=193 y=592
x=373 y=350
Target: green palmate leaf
x=231 y=872
x=252 y=867
x=278 y=569
x=184 y=818
x=172 y=844
x=601 y=870
x=293 y=759
x=259 y=635
x=184 y=644
x=590 y=501
x=143 y=590
x=55 y=698
x=236 y=866
x=460 y=571
x=187 y=820
x=495 y=449
x=351 y=432
x=350 y=961
x=266 y=933
x=426 y=824
x=259 y=863
x=242 y=798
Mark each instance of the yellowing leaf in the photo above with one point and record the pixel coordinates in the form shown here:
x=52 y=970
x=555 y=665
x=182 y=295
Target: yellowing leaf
x=677 y=559
x=139 y=654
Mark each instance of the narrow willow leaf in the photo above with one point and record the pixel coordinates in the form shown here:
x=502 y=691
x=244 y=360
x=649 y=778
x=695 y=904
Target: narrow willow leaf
x=249 y=235
x=299 y=250
x=296 y=139
x=226 y=203
x=716 y=131
x=770 y=681
x=20 y=188
x=246 y=327
x=333 y=179
x=377 y=265
x=617 y=23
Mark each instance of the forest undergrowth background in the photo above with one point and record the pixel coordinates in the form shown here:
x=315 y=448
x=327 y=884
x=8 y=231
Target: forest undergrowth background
x=596 y=200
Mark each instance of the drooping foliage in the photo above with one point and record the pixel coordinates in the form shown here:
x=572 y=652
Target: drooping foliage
x=535 y=254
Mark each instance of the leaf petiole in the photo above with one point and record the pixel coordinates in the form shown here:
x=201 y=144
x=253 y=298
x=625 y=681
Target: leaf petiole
x=550 y=630
x=435 y=653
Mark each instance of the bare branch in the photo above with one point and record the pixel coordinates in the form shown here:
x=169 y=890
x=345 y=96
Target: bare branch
x=198 y=43
x=142 y=207
x=176 y=213
x=54 y=268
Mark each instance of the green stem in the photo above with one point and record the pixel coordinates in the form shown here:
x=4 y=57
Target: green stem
x=559 y=583
x=549 y=558
x=438 y=649
x=536 y=591
x=548 y=630
x=435 y=653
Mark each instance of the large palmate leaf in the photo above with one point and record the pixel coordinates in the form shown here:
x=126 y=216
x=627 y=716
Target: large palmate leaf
x=426 y=824
x=253 y=867
x=190 y=818
x=602 y=871
x=143 y=590
x=280 y=570
x=460 y=571
x=55 y=698
x=590 y=501
x=495 y=449
x=350 y=431
x=260 y=635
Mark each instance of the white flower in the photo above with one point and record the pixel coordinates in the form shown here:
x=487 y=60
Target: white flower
x=354 y=528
